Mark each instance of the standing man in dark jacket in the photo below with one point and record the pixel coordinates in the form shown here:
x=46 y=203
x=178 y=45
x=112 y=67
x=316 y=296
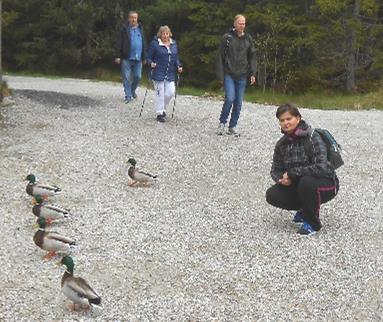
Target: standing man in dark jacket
x=131 y=51
x=236 y=61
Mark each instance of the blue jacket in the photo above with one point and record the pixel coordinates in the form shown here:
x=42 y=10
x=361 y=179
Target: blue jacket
x=167 y=63
x=123 y=42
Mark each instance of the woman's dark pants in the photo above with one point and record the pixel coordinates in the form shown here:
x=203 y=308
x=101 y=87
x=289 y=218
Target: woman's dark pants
x=307 y=194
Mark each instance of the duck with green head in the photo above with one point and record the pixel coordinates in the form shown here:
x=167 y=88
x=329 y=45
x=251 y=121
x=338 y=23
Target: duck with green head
x=51 y=241
x=49 y=212
x=34 y=188
x=137 y=176
x=76 y=288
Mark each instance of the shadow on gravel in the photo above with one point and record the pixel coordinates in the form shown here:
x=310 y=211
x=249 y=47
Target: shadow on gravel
x=61 y=100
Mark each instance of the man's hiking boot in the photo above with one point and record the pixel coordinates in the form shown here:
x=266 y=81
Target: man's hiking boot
x=221 y=129
x=233 y=131
x=298 y=217
x=306 y=229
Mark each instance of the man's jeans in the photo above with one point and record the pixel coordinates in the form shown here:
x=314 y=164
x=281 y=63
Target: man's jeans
x=234 y=92
x=131 y=76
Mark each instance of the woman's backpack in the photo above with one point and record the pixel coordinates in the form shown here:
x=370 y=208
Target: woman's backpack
x=333 y=148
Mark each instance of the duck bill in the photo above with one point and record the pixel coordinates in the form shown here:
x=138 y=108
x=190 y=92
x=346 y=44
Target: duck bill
x=35 y=226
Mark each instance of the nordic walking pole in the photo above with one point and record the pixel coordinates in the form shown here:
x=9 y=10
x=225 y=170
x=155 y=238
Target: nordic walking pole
x=175 y=94
x=146 y=91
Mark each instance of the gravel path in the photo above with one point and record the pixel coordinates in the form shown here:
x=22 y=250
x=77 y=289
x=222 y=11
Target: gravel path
x=201 y=244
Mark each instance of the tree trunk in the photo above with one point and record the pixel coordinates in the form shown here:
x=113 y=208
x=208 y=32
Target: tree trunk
x=352 y=50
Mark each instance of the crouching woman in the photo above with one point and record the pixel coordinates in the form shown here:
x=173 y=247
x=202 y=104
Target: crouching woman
x=304 y=180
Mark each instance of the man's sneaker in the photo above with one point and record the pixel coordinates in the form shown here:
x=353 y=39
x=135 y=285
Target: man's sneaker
x=306 y=229
x=221 y=129
x=128 y=100
x=160 y=118
x=233 y=131
x=163 y=114
x=298 y=217
x=134 y=95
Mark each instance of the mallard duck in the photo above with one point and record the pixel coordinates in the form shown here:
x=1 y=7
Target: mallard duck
x=51 y=241
x=76 y=288
x=34 y=188
x=49 y=212
x=137 y=176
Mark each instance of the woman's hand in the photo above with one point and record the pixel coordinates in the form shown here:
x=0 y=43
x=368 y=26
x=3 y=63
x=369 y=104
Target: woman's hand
x=153 y=65
x=285 y=180
x=179 y=70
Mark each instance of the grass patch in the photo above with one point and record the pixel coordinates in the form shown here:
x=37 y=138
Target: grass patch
x=320 y=100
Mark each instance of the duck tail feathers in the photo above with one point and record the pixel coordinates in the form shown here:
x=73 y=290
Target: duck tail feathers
x=95 y=302
x=149 y=174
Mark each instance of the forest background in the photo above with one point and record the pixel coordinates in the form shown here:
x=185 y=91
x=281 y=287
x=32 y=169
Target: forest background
x=321 y=50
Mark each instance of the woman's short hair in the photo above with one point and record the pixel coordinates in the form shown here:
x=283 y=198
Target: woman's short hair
x=288 y=107
x=164 y=29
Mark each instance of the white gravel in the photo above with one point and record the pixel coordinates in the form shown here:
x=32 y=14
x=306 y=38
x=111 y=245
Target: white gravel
x=201 y=244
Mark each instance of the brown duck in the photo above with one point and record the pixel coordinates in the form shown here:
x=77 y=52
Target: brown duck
x=137 y=176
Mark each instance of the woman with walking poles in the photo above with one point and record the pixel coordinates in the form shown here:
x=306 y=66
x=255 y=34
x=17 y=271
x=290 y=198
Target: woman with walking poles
x=162 y=57
x=302 y=181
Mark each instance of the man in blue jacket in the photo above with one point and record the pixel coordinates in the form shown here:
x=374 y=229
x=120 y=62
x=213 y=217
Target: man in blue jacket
x=131 y=51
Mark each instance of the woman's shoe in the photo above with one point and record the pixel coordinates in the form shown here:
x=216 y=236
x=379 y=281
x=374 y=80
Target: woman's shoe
x=298 y=217
x=306 y=229
x=161 y=118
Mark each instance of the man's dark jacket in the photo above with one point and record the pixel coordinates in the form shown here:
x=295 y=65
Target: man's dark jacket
x=236 y=56
x=123 y=42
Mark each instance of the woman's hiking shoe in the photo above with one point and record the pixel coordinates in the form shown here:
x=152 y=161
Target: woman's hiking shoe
x=221 y=129
x=161 y=118
x=298 y=217
x=306 y=229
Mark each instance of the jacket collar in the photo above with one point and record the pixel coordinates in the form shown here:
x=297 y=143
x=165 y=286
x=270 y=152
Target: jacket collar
x=303 y=129
x=162 y=44
x=234 y=33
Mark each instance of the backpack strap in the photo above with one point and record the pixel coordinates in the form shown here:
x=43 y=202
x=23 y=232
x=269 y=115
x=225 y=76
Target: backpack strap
x=228 y=38
x=308 y=145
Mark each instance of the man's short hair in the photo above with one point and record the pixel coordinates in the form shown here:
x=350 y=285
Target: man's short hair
x=238 y=16
x=130 y=13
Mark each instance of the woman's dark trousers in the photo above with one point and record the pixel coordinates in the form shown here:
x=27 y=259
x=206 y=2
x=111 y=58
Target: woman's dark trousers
x=306 y=194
